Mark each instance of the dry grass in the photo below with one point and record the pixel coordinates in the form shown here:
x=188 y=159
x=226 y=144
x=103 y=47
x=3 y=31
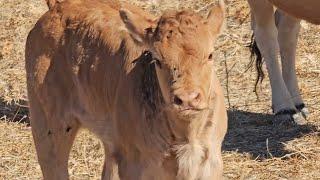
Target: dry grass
x=254 y=148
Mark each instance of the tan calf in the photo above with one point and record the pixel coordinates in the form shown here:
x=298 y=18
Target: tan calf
x=144 y=85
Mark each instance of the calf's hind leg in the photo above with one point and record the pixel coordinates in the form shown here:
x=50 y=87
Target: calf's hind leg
x=53 y=139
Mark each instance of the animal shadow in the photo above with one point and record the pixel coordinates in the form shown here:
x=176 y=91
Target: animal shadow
x=14 y=111
x=259 y=135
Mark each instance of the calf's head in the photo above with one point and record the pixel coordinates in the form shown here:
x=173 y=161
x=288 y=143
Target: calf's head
x=181 y=44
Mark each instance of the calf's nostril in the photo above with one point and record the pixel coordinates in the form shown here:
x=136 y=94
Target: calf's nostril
x=177 y=100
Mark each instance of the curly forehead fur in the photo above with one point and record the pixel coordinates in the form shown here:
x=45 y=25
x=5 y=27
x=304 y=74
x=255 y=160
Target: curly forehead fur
x=183 y=23
x=185 y=19
x=182 y=35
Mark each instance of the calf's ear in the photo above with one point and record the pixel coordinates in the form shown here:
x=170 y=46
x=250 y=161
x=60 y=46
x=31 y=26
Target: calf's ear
x=138 y=26
x=216 y=18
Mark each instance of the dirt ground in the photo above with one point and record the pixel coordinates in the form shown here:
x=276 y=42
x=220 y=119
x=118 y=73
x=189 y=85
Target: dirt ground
x=254 y=148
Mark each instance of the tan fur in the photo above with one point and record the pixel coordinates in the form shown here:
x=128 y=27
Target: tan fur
x=306 y=9
x=86 y=68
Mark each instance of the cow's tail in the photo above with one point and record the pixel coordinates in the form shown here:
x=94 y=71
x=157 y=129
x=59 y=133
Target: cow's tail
x=255 y=52
x=52 y=3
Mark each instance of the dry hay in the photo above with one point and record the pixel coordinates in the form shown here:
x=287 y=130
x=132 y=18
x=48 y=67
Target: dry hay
x=255 y=147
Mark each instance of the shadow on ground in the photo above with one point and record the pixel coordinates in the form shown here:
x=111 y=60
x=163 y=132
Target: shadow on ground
x=259 y=135
x=14 y=111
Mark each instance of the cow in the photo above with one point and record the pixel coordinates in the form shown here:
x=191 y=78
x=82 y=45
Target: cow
x=277 y=31
x=306 y=9
x=144 y=85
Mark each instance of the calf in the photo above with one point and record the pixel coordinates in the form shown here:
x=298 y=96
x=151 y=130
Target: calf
x=144 y=85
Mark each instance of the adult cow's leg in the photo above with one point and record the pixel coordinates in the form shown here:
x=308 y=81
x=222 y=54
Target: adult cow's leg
x=110 y=167
x=288 y=28
x=266 y=36
x=53 y=139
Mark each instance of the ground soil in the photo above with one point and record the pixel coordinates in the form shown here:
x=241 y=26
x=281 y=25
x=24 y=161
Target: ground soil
x=255 y=147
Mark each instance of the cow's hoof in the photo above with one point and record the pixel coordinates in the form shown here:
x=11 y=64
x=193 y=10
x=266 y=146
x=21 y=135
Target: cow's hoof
x=303 y=109
x=299 y=119
x=290 y=116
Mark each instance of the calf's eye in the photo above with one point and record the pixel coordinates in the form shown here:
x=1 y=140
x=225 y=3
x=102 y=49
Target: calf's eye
x=158 y=63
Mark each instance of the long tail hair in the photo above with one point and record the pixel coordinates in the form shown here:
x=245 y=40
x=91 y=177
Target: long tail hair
x=255 y=52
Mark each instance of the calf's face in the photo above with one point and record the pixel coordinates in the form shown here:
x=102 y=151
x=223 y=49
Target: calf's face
x=181 y=44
